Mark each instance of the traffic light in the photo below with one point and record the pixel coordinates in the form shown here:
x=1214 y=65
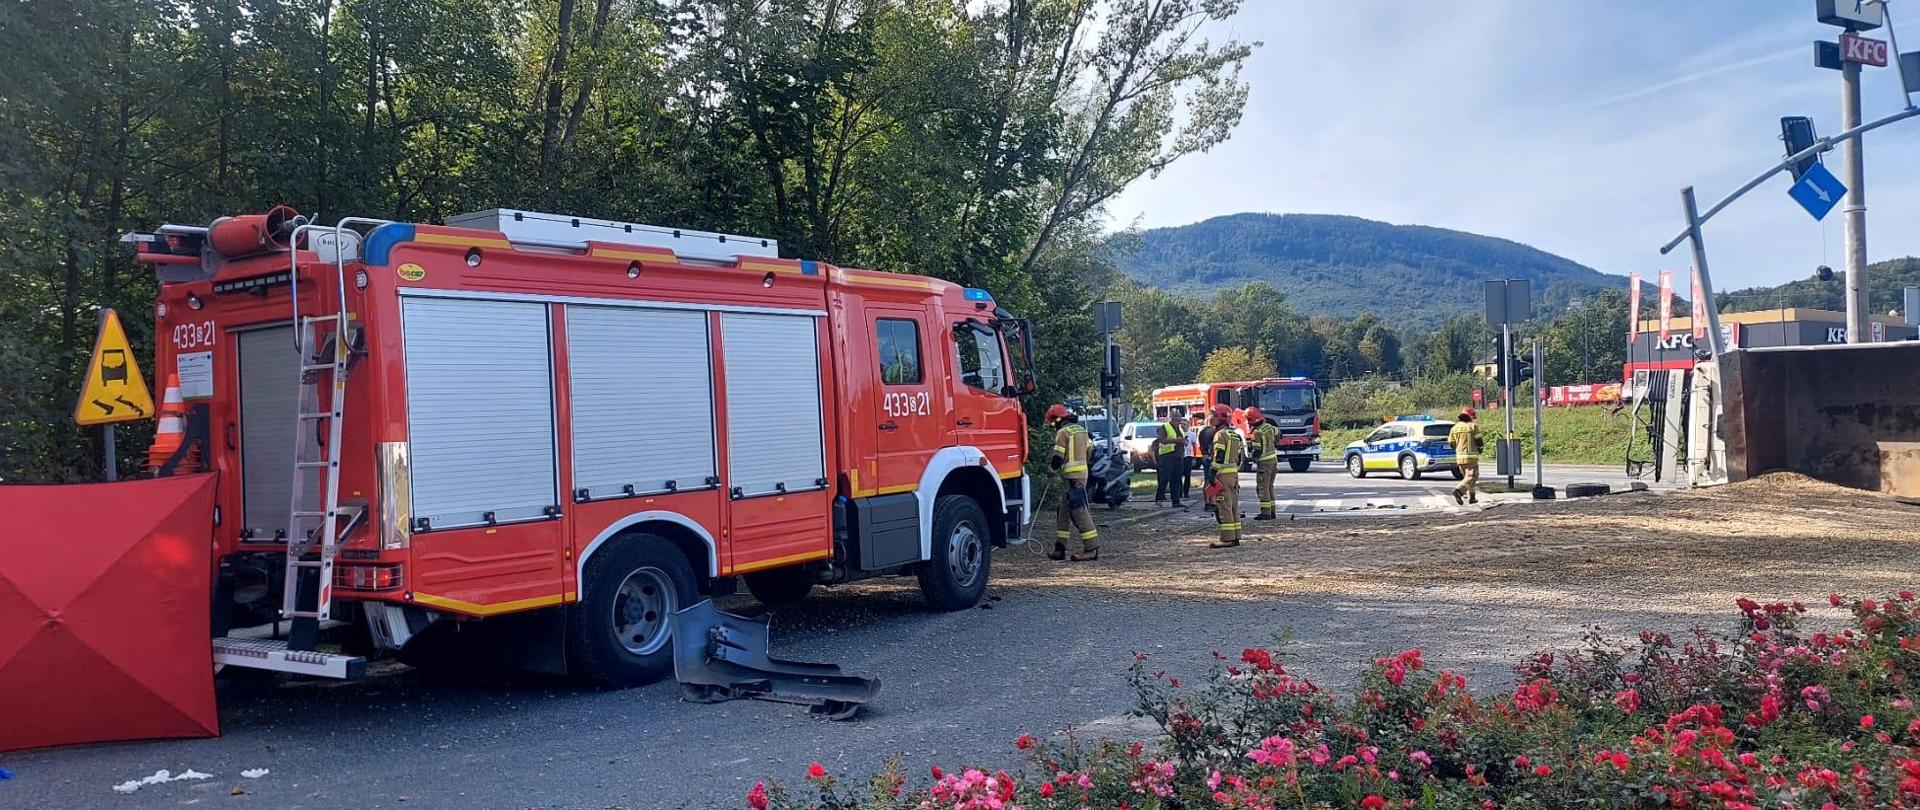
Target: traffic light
x=1797 y=132
x=1110 y=376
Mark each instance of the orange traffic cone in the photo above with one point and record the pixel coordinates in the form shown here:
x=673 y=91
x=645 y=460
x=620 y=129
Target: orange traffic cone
x=172 y=428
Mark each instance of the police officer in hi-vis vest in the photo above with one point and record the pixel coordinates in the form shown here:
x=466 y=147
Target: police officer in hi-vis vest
x=1070 y=451
x=1266 y=459
x=1229 y=450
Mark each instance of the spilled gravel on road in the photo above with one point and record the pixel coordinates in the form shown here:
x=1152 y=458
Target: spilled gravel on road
x=1782 y=535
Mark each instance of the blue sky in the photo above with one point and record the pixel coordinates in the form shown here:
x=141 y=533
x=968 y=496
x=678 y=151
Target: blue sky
x=1569 y=125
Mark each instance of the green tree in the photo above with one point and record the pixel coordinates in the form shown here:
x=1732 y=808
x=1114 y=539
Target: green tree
x=1230 y=363
x=1587 y=344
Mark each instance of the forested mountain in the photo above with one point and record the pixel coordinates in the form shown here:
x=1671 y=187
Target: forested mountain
x=1886 y=285
x=1409 y=275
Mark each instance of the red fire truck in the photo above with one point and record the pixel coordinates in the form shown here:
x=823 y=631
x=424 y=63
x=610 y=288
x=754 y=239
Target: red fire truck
x=574 y=427
x=1291 y=403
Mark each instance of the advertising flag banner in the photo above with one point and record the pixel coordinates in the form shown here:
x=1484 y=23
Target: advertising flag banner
x=1633 y=305
x=1699 y=316
x=1666 y=303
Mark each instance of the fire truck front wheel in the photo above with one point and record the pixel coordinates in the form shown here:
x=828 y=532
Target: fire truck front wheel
x=956 y=577
x=618 y=634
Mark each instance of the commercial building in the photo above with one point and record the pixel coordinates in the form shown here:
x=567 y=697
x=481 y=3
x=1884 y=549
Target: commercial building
x=1682 y=345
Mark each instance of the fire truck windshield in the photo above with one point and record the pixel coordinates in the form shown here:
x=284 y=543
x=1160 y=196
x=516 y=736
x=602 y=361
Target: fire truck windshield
x=1288 y=399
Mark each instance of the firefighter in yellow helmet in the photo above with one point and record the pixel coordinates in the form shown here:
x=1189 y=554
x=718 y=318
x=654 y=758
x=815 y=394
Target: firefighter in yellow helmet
x=1266 y=459
x=1070 y=450
x=1229 y=450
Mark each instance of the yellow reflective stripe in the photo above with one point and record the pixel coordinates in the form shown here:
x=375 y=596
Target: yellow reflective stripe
x=1074 y=468
x=1090 y=535
x=1062 y=534
x=1266 y=504
x=1230 y=527
x=1225 y=467
x=1270 y=457
x=1059 y=449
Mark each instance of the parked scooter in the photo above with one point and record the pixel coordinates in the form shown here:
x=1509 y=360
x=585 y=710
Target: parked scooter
x=1109 y=475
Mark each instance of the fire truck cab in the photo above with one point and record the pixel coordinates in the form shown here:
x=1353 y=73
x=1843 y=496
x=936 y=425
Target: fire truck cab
x=573 y=428
x=1290 y=403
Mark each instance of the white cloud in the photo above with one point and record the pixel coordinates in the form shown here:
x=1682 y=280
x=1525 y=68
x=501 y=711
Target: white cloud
x=1568 y=126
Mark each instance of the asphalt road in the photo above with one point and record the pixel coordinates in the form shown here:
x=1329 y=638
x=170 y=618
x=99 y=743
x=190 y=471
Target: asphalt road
x=1044 y=655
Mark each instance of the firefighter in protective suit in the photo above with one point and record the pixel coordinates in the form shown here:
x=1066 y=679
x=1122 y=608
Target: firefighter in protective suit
x=1229 y=450
x=1266 y=459
x=1070 y=451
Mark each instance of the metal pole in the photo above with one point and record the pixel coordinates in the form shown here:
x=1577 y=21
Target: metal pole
x=108 y=450
x=1714 y=339
x=1856 y=209
x=1506 y=393
x=1106 y=362
x=1539 y=383
x=1818 y=147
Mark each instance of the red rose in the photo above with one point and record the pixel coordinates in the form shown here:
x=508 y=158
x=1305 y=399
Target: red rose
x=1024 y=742
x=757 y=797
x=1372 y=802
x=1866 y=721
x=939 y=774
x=1543 y=771
x=1046 y=789
x=816 y=771
x=1833 y=599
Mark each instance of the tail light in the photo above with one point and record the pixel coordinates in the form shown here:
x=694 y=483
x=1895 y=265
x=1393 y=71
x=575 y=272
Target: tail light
x=383 y=577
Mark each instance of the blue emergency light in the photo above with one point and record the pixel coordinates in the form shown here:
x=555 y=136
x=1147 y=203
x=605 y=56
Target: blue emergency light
x=1416 y=417
x=980 y=298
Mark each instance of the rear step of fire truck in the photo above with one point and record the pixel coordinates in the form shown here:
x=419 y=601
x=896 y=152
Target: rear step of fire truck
x=317 y=521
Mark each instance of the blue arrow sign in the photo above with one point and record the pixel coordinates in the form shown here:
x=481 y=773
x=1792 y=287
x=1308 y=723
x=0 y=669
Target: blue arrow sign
x=1818 y=191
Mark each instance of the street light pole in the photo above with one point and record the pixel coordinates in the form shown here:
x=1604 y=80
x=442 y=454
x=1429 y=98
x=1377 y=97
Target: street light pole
x=1856 y=210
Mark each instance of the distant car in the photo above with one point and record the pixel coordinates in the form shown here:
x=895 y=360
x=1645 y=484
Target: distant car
x=1411 y=446
x=1137 y=437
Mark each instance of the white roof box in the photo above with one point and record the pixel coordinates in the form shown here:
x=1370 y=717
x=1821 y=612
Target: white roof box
x=562 y=231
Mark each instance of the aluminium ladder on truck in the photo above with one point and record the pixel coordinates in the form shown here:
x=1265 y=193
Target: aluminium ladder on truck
x=317 y=520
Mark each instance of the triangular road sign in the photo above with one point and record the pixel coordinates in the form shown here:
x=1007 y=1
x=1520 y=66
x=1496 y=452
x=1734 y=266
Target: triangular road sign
x=114 y=391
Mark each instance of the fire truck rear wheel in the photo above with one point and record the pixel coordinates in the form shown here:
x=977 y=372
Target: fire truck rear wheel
x=618 y=634
x=956 y=577
x=780 y=587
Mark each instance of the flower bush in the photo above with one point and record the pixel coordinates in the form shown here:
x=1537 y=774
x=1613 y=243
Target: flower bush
x=1776 y=716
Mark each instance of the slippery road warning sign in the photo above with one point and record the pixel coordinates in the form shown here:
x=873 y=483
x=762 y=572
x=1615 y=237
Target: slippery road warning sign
x=114 y=390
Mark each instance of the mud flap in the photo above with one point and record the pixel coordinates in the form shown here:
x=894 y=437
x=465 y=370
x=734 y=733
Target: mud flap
x=719 y=656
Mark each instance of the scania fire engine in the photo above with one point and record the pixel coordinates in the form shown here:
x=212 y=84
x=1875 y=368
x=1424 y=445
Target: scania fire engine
x=573 y=428
x=1291 y=403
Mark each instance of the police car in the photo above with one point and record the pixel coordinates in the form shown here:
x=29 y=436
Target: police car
x=1410 y=444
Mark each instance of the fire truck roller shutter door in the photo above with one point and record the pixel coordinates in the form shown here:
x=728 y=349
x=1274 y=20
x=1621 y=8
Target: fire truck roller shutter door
x=479 y=410
x=269 y=368
x=775 y=440
x=642 y=408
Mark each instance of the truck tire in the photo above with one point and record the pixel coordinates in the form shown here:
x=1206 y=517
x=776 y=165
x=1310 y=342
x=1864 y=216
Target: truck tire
x=956 y=576
x=618 y=633
x=1587 y=490
x=1300 y=463
x=1356 y=467
x=1410 y=468
x=780 y=587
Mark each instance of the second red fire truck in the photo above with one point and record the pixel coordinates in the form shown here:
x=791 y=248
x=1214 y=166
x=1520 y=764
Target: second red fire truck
x=574 y=426
x=1291 y=403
